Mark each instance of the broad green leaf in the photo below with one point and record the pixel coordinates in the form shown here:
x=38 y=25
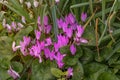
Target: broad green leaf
x=89 y=34
x=23 y=32
x=42 y=71
x=87 y=56
x=6 y=55
x=104 y=53
x=78 y=72
x=3 y=74
x=56 y=72
x=93 y=67
x=70 y=60
x=17 y=66
x=107 y=76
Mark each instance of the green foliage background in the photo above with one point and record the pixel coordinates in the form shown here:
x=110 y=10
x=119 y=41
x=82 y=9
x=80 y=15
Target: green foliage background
x=97 y=60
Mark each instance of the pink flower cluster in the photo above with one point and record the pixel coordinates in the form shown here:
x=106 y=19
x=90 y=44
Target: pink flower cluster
x=70 y=33
x=14 y=26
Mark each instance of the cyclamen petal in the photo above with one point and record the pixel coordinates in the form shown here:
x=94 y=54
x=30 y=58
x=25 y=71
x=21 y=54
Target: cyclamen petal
x=13 y=73
x=73 y=49
x=9 y=28
x=59 y=57
x=70 y=72
x=28 y=4
x=23 y=19
x=56 y=47
x=38 y=20
x=60 y=64
x=83 y=16
x=45 y=20
x=48 y=42
x=71 y=18
x=47 y=29
x=26 y=40
x=51 y=55
x=15 y=47
x=37 y=34
x=69 y=32
x=57 y=1
x=59 y=22
x=23 y=48
x=46 y=52
x=82 y=40
x=80 y=31
x=13 y=25
x=36 y=3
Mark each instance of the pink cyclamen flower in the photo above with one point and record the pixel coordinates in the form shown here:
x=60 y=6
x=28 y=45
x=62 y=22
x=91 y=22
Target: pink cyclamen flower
x=80 y=31
x=70 y=72
x=69 y=32
x=57 y=1
x=47 y=29
x=15 y=47
x=51 y=55
x=37 y=34
x=71 y=18
x=36 y=3
x=23 y=19
x=9 y=28
x=20 y=25
x=73 y=49
x=59 y=22
x=24 y=44
x=28 y=4
x=46 y=52
x=13 y=73
x=13 y=25
x=62 y=40
x=83 y=16
x=38 y=20
x=48 y=42
x=82 y=40
x=59 y=57
x=45 y=20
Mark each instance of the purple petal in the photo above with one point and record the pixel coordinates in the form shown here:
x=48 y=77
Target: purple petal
x=37 y=34
x=13 y=73
x=70 y=72
x=48 y=42
x=80 y=31
x=83 y=16
x=82 y=40
x=69 y=32
x=45 y=20
x=73 y=49
x=46 y=52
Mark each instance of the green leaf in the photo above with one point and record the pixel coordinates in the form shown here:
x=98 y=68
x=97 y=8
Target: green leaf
x=78 y=72
x=70 y=60
x=89 y=34
x=5 y=51
x=94 y=68
x=56 y=72
x=23 y=32
x=6 y=55
x=105 y=52
x=17 y=66
x=107 y=76
x=87 y=56
x=42 y=71
x=3 y=74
